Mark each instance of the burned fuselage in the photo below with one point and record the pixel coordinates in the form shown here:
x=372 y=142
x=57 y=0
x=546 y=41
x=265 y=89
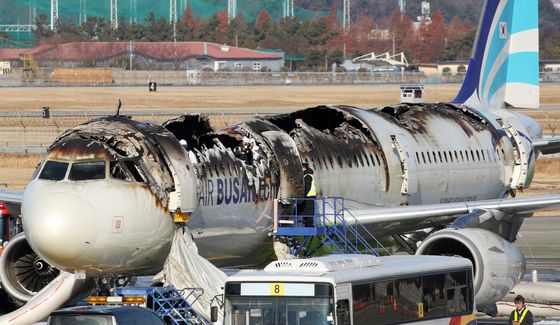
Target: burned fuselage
x=227 y=179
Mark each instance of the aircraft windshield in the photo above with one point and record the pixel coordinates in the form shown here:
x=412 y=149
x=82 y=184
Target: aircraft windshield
x=54 y=171
x=90 y=170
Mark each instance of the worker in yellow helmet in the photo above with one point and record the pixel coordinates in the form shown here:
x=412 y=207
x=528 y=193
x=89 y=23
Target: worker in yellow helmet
x=310 y=192
x=521 y=315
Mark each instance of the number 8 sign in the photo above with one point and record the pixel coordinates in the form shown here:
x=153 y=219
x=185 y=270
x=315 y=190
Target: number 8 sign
x=277 y=289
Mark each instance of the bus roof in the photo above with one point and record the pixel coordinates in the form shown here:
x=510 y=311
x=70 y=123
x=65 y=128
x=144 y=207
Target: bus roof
x=348 y=268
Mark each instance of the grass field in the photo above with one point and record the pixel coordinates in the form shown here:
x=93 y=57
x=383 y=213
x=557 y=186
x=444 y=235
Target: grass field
x=90 y=98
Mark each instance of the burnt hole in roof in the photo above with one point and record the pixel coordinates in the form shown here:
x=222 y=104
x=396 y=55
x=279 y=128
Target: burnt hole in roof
x=329 y=120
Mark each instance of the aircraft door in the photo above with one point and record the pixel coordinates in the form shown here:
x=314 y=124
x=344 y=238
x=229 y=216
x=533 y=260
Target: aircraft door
x=289 y=163
x=409 y=175
x=184 y=197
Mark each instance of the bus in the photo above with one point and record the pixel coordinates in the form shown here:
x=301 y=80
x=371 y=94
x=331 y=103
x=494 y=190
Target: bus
x=352 y=289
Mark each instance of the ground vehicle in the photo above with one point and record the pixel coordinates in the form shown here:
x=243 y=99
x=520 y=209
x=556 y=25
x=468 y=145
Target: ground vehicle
x=104 y=315
x=353 y=289
x=8 y=224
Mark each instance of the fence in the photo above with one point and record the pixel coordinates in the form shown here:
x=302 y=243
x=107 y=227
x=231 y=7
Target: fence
x=119 y=77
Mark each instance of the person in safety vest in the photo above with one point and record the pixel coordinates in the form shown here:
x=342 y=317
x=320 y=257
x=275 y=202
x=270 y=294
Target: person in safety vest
x=310 y=192
x=521 y=315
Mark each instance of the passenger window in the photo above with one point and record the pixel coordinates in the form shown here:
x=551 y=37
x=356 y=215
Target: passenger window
x=429 y=158
x=54 y=171
x=377 y=158
x=367 y=159
x=451 y=156
x=477 y=155
x=343 y=312
x=435 y=157
x=85 y=171
x=423 y=158
x=472 y=155
x=445 y=156
x=456 y=157
x=417 y=158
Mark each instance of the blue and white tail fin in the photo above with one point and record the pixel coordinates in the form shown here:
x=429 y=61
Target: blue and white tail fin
x=504 y=69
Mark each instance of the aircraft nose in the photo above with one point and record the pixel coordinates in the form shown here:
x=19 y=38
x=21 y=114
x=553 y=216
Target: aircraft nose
x=59 y=226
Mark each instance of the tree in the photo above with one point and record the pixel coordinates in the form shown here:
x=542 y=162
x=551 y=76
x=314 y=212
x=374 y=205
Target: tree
x=264 y=20
x=459 y=49
x=42 y=30
x=336 y=56
x=430 y=40
x=313 y=58
x=457 y=29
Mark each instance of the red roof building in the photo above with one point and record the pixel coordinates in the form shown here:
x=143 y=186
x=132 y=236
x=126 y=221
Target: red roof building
x=149 y=55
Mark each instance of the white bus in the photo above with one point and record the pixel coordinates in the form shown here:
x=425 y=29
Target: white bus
x=353 y=289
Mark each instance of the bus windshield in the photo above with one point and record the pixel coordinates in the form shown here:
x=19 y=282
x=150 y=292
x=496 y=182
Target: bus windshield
x=288 y=305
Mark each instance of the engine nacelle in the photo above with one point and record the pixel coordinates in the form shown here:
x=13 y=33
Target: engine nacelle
x=498 y=264
x=22 y=272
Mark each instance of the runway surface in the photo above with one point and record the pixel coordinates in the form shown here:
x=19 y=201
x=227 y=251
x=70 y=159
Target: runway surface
x=538 y=241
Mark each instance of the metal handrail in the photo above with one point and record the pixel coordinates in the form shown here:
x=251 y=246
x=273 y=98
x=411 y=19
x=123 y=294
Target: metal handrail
x=329 y=217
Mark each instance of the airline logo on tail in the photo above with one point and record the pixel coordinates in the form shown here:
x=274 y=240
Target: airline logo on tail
x=504 y=69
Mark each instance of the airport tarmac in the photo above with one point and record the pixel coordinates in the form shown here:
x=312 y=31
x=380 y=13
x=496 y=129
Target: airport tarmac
x=538 y=241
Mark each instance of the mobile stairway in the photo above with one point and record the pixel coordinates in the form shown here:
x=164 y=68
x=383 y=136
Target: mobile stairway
x=328 y=224
x=174 y=306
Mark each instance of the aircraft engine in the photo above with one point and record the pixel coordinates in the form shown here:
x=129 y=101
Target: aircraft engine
x=22 y=272
x=497 y=264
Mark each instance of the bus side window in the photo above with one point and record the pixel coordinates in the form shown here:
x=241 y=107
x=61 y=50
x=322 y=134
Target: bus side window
x=343 y=312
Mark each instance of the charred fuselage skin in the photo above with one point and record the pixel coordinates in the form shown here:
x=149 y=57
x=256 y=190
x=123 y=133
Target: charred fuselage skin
x=391 y=156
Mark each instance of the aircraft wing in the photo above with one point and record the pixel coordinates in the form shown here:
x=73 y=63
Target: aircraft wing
x=12 y=200
x=423 y=215
x=547 y=146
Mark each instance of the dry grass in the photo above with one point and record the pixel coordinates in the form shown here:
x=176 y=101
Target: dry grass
x=16 y=169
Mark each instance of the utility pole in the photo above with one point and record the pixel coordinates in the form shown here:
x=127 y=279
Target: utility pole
x=130 y=54
x=346 y=19
x=114 y=14
x=346 y=23
x=288 y=8
x=232 y=9
x=402 y=7
x=133 y=11
x=183 y=6
x=173 y=17
x=32 y=12
x=83 y=11
x=54 y=13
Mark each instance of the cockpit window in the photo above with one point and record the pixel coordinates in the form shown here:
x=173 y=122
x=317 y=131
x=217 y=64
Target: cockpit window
x=37 y=170
x=117 y=172
x=84 y=171
x=54 y=170
x=134 y=171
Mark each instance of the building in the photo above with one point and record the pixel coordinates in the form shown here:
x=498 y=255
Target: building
x=5 y=67
x=149 y=56
x=550 y=65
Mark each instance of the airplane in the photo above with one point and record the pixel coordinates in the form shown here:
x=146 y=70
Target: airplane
x=104 y=201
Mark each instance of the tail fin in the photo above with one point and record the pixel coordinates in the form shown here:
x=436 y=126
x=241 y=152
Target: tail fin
x=504 y=69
